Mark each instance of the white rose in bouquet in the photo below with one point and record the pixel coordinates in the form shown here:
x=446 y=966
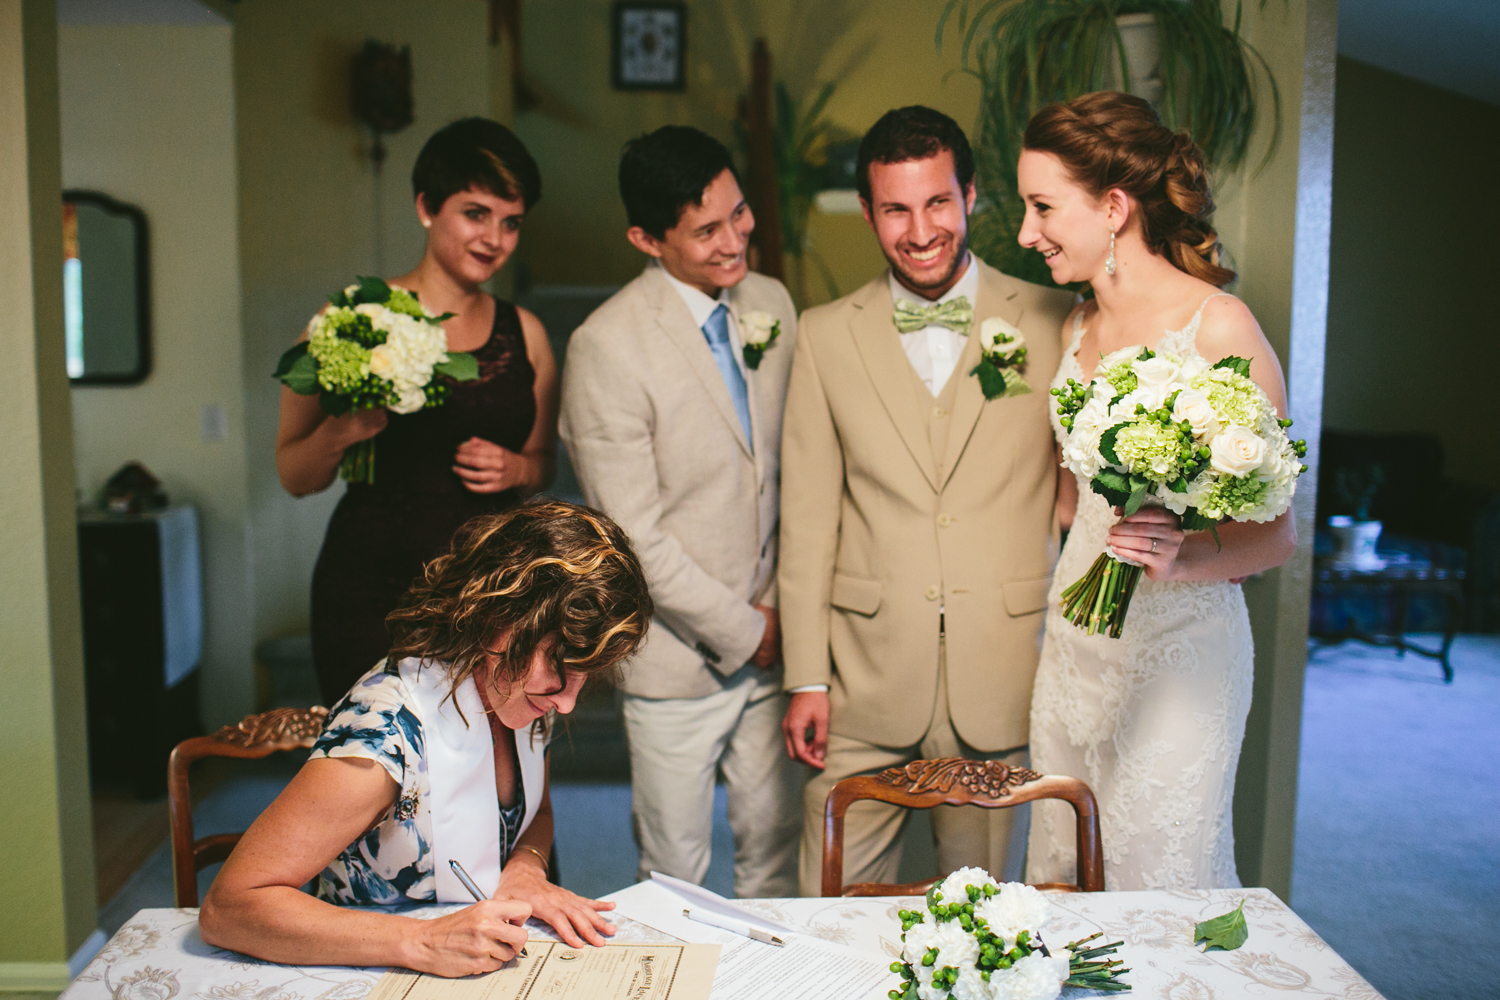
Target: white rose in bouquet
x=1155 y=379
x=1237 y=451
x=1194 y=407
x=1014 y=909
x=1081 y=451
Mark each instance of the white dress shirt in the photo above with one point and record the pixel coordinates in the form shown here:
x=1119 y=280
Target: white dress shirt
x=934 y=350
x=702 y=306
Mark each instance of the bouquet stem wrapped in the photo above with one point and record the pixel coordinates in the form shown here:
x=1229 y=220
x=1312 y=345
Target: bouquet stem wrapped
x=375 y=346
x=1099 y=600
x=1202 y=440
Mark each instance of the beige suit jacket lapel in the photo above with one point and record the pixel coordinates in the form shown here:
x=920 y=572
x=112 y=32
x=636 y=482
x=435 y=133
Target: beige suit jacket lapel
x=676 y=323
x=879 y=346
x=998 y=296
x=753 y=389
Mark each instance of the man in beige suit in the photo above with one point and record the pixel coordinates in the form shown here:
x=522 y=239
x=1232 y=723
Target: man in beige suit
x=671 y=410
x=917 y=532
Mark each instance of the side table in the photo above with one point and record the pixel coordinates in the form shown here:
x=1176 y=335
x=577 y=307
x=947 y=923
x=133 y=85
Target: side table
x=1397 y=581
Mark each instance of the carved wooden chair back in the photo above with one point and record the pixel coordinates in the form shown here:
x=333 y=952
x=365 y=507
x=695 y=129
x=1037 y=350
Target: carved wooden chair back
x=954 y=781
x=255 y=736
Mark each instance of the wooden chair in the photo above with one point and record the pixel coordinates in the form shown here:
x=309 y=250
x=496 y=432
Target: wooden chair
x=955 y=781
x=255 y=736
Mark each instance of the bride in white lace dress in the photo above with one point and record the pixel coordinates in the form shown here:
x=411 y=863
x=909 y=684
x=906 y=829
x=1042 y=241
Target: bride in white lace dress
x=1153 y=720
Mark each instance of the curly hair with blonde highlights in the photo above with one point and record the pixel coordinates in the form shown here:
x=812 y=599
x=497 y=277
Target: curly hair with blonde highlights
x=1109 y=140
x=545 y=576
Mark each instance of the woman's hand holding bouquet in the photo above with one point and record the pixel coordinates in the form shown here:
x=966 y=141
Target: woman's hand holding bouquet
x=1201 y=440
x=374 y=349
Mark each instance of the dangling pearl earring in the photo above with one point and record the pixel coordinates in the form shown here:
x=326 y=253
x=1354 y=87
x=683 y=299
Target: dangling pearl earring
x=1109 y=262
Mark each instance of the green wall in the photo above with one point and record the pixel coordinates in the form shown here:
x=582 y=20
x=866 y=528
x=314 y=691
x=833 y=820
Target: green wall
x=47 y=876
x=1415 y=231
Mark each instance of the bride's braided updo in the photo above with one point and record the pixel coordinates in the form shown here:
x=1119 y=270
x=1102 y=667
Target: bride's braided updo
x=1112 y=140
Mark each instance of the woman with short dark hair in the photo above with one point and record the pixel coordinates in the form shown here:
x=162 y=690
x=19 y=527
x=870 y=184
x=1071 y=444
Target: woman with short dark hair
x=493 y=442
x=438 y=755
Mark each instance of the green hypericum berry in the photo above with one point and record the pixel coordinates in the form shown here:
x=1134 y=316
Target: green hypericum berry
x=929 y=958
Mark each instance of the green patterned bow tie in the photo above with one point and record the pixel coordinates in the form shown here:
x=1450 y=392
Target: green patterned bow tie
x=956 y=314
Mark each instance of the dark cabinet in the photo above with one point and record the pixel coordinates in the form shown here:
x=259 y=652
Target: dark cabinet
x=142 y=642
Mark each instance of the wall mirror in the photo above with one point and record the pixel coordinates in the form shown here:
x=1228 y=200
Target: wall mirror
x=106 y=290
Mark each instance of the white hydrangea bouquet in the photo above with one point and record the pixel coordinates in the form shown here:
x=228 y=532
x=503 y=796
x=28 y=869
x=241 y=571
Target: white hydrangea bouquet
x=977 y=939
x=375 y=346
x=1202 y=440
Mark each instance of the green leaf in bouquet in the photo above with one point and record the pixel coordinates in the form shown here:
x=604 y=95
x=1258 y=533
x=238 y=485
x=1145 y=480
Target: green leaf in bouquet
x=1107 y=443
x=1113 y=486
x=1240 y=366
x=1134 y=501
x=373 y=290
x=443 y=318
x=1193 y=520
x=1227 y=932
x=298 y=370
x=334 y=404
x=1178 y=485
x=460 y=367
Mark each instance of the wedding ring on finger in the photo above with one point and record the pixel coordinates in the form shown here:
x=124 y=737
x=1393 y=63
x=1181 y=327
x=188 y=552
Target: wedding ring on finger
x=1153 y=545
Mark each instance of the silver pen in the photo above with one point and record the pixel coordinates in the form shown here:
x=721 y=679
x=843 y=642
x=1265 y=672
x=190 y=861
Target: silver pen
x=468 y=882
x=733 y=926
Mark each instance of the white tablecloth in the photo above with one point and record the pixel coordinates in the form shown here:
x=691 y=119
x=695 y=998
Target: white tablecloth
x=158 y=955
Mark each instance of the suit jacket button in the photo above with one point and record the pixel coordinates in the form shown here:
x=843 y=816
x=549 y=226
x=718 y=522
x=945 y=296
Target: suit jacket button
x=933 y=593
x=944 y=520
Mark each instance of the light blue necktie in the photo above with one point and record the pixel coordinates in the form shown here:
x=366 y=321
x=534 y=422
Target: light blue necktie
x=716 y=331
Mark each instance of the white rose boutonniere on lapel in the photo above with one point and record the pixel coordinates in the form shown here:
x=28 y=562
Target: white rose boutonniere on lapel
x=758 y=331
x=1002 y=350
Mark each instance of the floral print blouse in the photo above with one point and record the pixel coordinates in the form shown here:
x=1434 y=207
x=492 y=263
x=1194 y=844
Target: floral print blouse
x=392 y=863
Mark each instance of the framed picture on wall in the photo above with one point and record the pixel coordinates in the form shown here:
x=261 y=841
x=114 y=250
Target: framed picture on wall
x=649 y=46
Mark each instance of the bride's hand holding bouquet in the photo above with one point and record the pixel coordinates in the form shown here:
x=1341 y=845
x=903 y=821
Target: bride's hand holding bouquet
x=1155 y=433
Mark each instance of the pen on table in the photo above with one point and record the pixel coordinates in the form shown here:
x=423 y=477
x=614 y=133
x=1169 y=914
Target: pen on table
x=733 y=926
x=479 y=897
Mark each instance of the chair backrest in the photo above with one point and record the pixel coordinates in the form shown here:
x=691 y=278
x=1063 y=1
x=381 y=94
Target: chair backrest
x=253 y=737
x=955 y=781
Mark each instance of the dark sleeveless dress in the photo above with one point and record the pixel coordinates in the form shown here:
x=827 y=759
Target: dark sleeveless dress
x=381 y=534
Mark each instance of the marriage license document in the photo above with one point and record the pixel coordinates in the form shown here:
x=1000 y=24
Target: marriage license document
x=555 y=971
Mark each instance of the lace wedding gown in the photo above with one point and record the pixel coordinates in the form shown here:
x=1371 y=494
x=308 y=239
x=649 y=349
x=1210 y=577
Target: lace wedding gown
x=1153 y=720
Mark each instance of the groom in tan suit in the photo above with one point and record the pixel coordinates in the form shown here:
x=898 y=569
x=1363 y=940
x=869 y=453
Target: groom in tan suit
x=917 y=526
x=672 y=417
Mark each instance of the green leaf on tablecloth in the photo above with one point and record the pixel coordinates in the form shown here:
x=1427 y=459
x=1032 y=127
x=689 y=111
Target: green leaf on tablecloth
x=1227 y=932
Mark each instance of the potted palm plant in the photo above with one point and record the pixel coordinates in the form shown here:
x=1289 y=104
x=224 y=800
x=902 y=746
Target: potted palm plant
x=1199 y=72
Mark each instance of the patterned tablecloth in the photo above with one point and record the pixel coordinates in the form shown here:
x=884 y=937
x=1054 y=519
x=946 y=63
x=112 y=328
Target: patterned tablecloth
x=158 y=955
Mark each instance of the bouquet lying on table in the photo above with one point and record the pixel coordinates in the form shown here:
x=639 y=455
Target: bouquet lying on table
x=979 y=940
x=1203 y=440
x=374 y=347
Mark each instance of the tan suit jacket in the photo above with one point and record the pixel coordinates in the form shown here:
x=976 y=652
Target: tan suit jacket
x=878 y=532
x=653 y=435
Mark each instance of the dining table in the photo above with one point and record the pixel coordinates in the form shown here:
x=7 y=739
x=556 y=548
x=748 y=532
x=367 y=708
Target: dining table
x=159 y=955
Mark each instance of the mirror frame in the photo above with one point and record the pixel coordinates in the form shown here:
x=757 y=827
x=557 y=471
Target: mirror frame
x=142 y=286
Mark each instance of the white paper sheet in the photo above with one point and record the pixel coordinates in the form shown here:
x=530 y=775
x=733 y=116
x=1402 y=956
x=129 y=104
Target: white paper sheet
x=806 y=968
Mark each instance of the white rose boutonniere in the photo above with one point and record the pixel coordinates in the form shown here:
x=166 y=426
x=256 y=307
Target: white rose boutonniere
x=758 y=331
x=1002 y=351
